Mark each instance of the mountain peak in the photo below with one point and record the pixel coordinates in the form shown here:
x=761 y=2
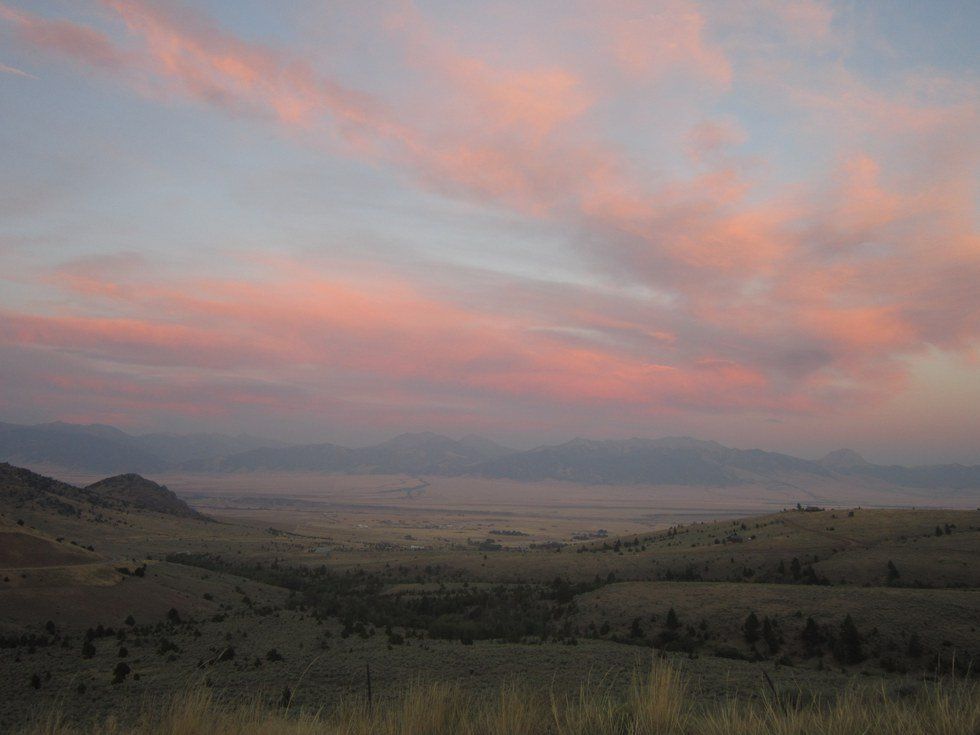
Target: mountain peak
x=843 y=458
x=486 y=448
x=417 y=439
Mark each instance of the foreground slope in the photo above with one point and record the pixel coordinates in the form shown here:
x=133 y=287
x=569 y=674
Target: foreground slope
x=83 y=554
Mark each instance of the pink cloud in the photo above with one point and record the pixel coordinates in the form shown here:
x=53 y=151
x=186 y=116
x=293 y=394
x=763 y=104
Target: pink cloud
x=775 y=295
x=654 y=40
x=67 y=39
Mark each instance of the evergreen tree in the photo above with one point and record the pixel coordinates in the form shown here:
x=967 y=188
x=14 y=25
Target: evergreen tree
x=120 y=672
x=893 y=574
x=847 y=649
x=750 y=628
x=915 y=649
x=795 y=568
x=812 y=637
x=636 y=630
x=770 y=635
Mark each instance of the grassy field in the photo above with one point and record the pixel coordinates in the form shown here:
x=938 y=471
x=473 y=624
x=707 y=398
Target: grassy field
x=660 y=702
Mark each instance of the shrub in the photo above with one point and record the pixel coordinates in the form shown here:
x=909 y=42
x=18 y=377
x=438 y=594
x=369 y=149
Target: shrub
x=121 y=671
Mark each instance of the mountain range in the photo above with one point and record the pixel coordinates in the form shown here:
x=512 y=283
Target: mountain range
x=665 y=461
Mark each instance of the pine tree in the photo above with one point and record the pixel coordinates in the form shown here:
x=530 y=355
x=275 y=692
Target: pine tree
x=636 y=630
x=770 y=635
x=120 y=672
x=915 y=649
x=751 y=628
x=893 y=574
x=847 y=649
x=795 y=568
x=812 y=637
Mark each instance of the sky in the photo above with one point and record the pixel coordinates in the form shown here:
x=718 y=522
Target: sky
x=754 y=221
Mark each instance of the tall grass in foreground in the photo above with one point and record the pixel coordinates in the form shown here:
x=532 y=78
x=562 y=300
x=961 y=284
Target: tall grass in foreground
x=657 y=703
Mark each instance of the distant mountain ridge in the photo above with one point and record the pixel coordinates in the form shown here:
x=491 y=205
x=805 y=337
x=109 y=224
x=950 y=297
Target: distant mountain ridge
x=102 y=449
x=422 y=453
x=664 y=461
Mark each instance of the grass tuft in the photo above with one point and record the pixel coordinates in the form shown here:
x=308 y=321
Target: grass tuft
x=658 y=702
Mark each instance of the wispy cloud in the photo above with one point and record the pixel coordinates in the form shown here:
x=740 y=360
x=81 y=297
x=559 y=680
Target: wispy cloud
x=4 y=69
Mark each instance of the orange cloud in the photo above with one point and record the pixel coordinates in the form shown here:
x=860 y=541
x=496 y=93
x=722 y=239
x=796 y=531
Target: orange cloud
x=654 y=40
x=383 y=329
x=66 y=38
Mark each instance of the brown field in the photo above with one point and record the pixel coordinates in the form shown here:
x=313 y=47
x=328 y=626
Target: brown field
x=26 y=550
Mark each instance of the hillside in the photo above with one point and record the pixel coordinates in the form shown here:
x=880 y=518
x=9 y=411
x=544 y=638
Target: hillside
x=21 y=488
x=138 y=492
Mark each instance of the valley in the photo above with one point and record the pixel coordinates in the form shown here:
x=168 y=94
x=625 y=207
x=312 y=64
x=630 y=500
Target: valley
x=266 y=582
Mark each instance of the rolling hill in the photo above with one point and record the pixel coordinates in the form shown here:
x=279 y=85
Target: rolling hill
x=138 y=492
x=20 y=488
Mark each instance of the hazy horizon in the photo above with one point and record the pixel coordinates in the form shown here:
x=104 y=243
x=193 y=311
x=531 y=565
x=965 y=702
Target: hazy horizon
x=522 y=445
x=753 y=222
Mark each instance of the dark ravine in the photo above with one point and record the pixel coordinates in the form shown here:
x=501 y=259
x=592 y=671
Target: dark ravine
x=665 y=461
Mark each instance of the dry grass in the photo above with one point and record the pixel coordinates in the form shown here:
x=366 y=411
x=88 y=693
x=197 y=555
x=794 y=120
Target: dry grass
x=658 y=703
